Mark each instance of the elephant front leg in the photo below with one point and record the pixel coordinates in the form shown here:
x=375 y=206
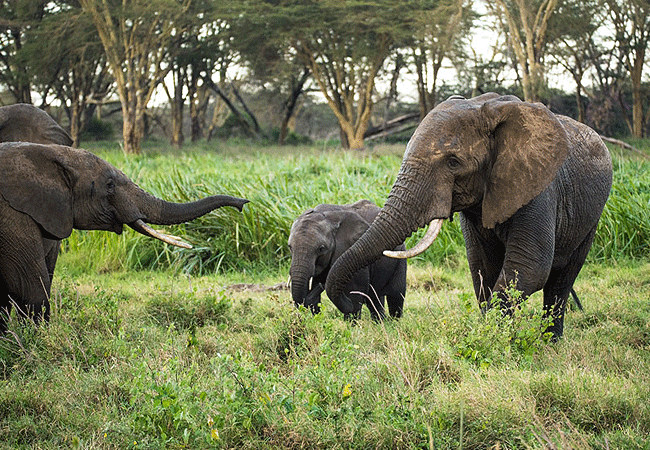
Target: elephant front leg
x=24 y=271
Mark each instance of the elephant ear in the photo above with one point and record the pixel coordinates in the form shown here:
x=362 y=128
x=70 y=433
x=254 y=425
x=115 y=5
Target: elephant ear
x=529 y=144
x=350 y=228
x=34 y=181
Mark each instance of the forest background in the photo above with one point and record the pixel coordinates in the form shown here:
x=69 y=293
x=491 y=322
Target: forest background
x=301 y=70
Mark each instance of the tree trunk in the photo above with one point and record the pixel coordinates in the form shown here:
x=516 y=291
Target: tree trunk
x=290 y=106
x=133 y=128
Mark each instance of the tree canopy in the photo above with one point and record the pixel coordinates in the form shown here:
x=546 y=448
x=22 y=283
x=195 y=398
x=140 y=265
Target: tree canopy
x=212 y=57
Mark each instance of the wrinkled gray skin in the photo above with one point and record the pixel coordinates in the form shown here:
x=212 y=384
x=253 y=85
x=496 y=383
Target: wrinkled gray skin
x=529 y=185
x=45 y=192
x=319 y=236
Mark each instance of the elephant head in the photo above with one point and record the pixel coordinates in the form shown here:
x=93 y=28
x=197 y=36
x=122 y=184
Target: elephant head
x=491 y=153
x=23 y=122
x=318 y=238
x=62 y=188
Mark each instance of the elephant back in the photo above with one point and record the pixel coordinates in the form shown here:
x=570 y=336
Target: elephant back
x=23 y=122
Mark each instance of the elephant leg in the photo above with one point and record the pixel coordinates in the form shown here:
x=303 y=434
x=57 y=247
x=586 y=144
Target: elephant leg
x=358 y=293
x=5 y=308
x=24 y=270
x=485 y=255
x=376 y=305
x=51 y=249
x=396 y=291
x=560 y=283
x=312 y=301
x=529 y=237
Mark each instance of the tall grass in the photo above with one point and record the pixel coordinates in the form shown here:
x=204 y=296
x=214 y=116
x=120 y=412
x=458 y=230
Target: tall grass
x=282 y=184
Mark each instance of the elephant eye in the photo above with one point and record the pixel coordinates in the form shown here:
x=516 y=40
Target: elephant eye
x=453 y=162
x=322 y=248
x=110 y=186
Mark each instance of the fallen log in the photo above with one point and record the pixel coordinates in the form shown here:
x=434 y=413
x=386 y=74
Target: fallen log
x=624 y=145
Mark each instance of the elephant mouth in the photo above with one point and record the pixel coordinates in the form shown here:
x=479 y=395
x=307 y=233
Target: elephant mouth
x=422 y=245
x=145 y=229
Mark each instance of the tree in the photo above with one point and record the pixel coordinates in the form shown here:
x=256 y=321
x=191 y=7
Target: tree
x=631 y=21
x=436 y=33
x=576 y=49
x=72 y=68
x=16 y=17
x=526 y=22
x=344 y=46
x=273 y=66
x=138 y=37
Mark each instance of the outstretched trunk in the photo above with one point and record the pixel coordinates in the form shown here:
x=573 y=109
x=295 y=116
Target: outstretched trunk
x=150 y=209
x=173 y=213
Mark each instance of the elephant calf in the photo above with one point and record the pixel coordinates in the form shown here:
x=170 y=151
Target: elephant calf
x=319 y=236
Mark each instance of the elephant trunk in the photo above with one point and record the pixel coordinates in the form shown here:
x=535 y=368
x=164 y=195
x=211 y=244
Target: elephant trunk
x=394 y=223
x=301 y=273
x=169 y=213
x=153 y=210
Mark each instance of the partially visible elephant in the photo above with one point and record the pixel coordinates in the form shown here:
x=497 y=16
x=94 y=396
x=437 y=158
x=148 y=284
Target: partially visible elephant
x=319 y=236
x=27 y=123
x=22 y=122
x=46 y=191
x=529 y=186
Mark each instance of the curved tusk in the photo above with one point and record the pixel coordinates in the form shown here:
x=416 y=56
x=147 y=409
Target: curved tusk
x=145 y=229
x=427 y=240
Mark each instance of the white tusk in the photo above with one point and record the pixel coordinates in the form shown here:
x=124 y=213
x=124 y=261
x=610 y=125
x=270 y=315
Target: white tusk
x=168 y=238
x=427 y=240
x=311 y=279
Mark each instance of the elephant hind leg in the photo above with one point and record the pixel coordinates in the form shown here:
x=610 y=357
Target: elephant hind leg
x=560 y=283
x=375 y=303
x=395 y=305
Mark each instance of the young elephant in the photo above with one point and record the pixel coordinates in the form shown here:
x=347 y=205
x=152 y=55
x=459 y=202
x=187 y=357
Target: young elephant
x=46 y=191
x=319 y=236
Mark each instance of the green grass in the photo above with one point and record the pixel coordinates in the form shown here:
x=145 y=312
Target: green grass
x=154 y=348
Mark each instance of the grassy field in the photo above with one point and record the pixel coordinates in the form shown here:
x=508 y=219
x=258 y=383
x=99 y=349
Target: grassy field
x=151 y=347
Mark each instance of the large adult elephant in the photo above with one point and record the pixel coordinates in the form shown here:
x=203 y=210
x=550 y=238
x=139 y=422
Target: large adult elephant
x=46 y=191
x=529 y=185
x=319 y=236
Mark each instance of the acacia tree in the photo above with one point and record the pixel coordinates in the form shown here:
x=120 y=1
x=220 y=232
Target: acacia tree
x=137 y=36
x=16 y=17
x=273 y=65
x=344 y=45
x=575 y=48
x=526 y=23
